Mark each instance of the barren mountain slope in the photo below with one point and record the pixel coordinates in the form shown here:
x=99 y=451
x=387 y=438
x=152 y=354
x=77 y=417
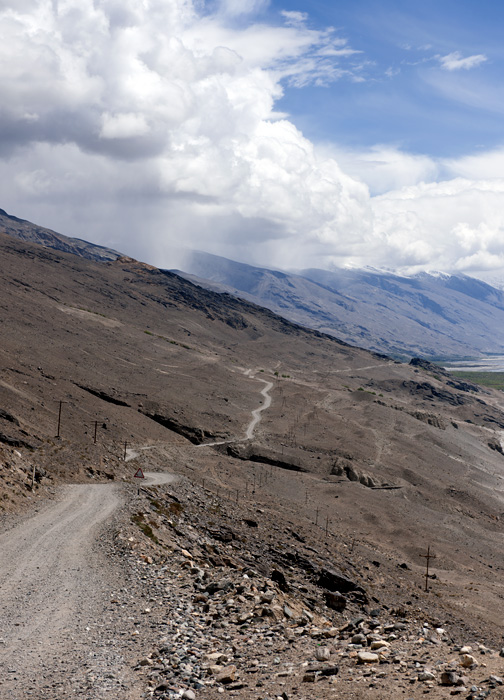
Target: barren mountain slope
x=426 y=315
x=392 y=456
x=31 y=233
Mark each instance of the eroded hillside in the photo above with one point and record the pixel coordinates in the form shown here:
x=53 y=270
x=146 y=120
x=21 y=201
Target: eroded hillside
x=390 y=456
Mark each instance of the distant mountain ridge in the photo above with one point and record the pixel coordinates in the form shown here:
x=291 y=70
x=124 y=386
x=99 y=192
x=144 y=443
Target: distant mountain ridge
x=428 y=315
x=32 y=233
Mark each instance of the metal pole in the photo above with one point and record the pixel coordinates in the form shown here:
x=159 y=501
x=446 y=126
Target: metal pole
x=427 y=557
x=59 y=418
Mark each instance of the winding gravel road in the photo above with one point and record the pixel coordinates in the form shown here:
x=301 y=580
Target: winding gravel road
x=58 y=638
x=52 y=596
x=256 y=414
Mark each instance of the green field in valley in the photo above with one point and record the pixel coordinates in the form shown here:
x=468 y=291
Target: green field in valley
x=494 y=380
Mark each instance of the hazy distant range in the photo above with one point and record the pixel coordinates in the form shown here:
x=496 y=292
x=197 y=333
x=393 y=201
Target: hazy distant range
x=431 y=315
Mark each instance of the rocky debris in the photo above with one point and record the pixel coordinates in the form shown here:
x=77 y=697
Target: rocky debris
x=429 y=367
x=5 y=415
x=495 y=444
x=17 y=474
x=463 y=386
x=221 y=533
x=221 y=625
x=440 y=372
x=99 y=474
x=428 y=418
x=15 y=442
x=337 y=582
x=428 y=392
x=335 y=600
x=344 y=467
x=217 y=624
x=279 y=578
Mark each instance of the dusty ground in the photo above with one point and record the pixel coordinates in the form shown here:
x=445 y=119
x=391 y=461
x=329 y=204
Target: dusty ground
x=385 y=458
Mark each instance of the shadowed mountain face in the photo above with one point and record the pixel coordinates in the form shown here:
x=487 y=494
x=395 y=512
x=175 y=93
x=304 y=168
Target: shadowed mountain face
x=426 y=315
x=26 y=231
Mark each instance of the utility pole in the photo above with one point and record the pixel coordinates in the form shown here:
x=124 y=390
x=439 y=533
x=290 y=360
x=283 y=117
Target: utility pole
x=59 y=417
x=427 y=558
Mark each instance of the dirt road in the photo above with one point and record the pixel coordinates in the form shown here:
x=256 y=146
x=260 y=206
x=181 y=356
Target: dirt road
x=59 y=635
x=256 y=414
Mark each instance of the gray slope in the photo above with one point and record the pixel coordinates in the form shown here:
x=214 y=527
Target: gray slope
x=32 y=233
x=426 y=315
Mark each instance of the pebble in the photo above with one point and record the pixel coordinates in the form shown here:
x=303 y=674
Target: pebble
x=323 y=654
x=467 y=661
x=367 y=657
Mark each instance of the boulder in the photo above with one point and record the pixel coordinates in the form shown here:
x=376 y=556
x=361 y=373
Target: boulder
x=335 y=601
x=334 y=581
x=226 y=675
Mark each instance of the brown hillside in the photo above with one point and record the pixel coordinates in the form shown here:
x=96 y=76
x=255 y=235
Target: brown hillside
x=388 y=457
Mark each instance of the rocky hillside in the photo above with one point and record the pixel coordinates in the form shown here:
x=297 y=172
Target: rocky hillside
x=26 y=231
x=261 y=609
x=430 y=316
x=300 y=538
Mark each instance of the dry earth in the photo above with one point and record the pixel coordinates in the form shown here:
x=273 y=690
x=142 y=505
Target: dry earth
x=357 y=465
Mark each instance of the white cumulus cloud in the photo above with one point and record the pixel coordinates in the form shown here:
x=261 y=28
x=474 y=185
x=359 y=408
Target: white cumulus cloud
x=143 y=125
x=455 y=61
x=140 y=124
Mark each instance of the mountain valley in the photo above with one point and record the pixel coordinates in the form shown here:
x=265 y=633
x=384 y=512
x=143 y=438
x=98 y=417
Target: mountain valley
x=357 y=466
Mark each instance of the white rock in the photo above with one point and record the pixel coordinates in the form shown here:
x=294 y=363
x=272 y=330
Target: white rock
x=367 y=657
x=322 y=654
x=379 y=644
x=426 y=676
x=467 y=660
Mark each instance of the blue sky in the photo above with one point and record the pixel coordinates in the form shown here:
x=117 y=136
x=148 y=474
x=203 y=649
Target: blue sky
x=286 y=134
x=406 y=97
